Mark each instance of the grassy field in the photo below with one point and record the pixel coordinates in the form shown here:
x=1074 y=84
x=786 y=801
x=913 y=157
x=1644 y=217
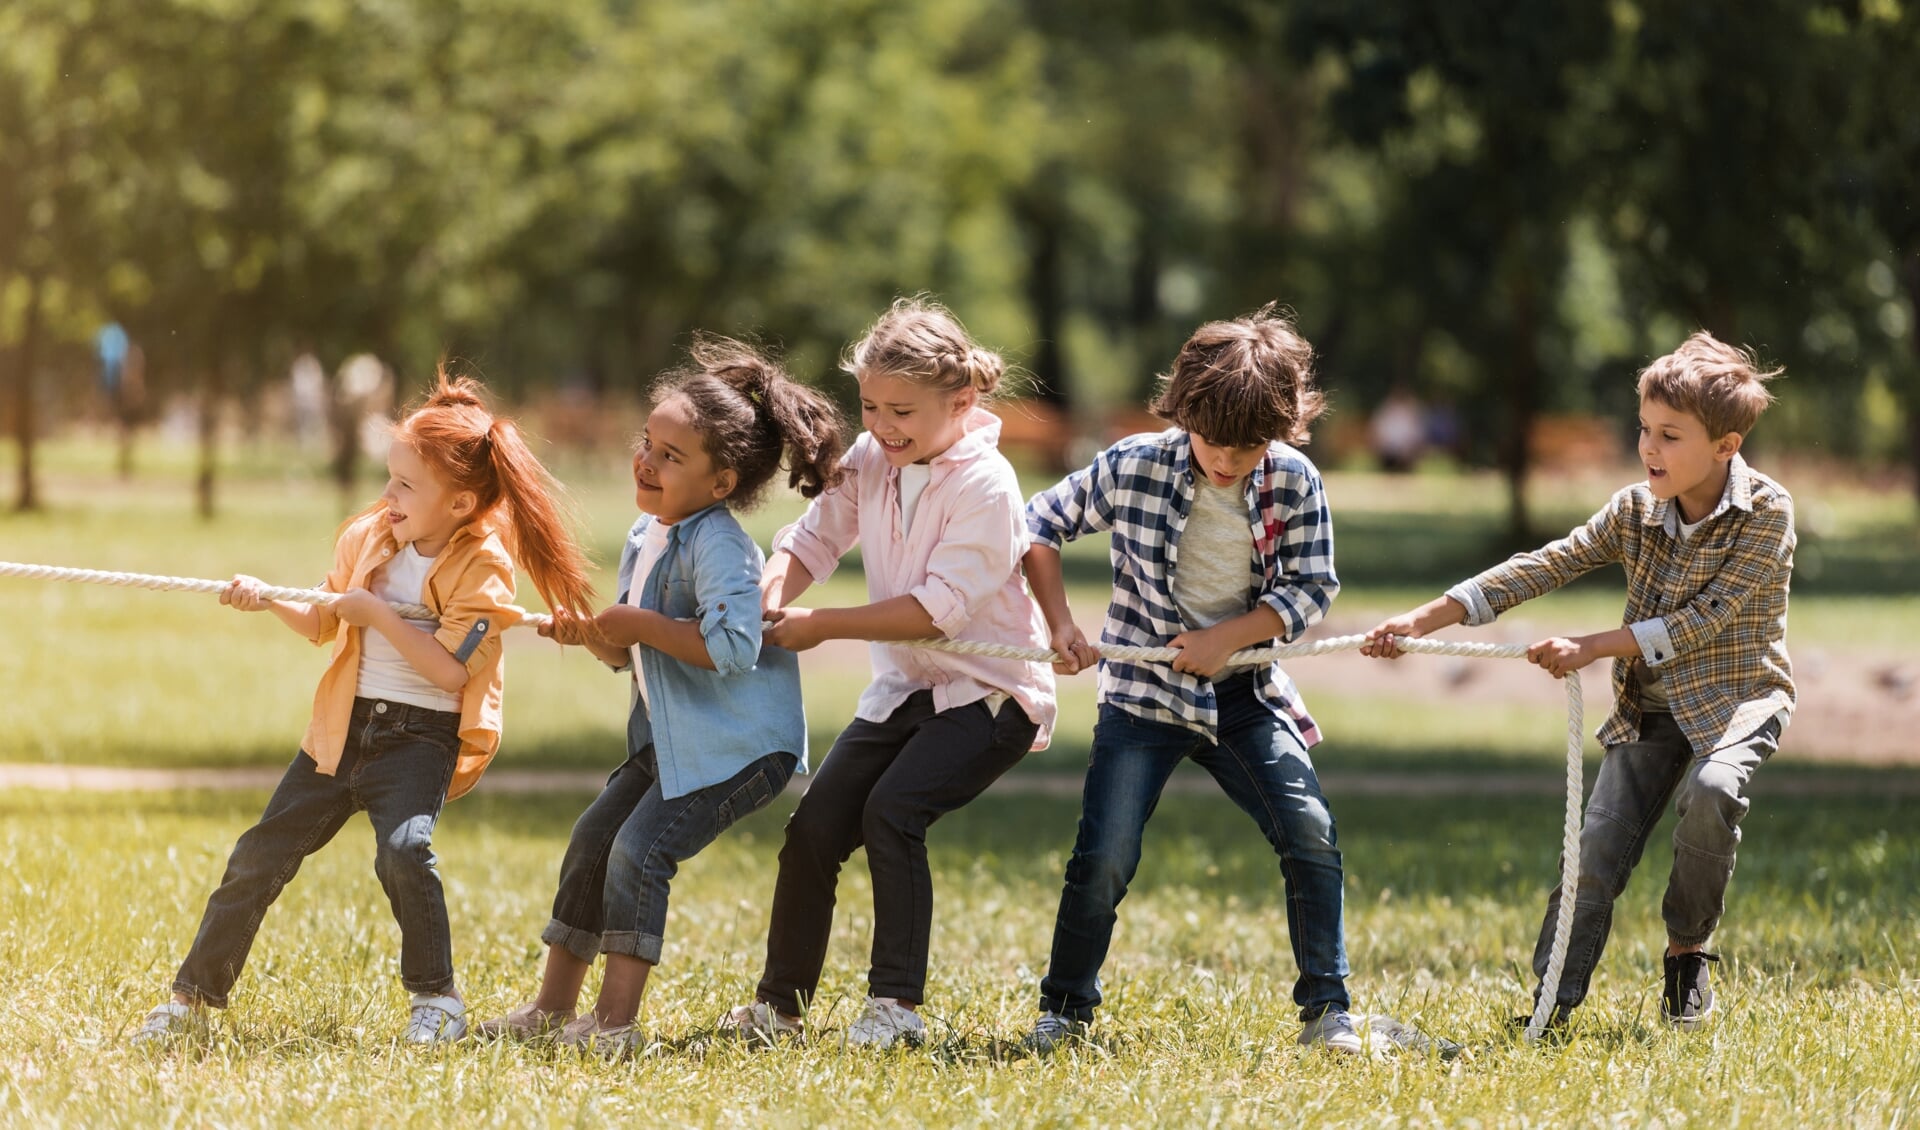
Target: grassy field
x=100 y=893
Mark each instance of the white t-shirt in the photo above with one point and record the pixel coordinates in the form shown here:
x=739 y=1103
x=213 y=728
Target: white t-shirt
x=914 y=478
x=653 y=543
x=384 y=672
x=1210 y=584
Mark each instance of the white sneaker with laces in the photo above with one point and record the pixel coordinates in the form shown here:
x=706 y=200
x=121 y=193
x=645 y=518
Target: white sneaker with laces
x=587 y=1034
x=1334 y=1031
x=758 y=1021
x=435 y=1020
x=884 y=1022
x=167 y=1021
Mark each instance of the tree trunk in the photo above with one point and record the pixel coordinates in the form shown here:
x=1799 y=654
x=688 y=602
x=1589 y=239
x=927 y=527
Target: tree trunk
x=25 y=360
x=1909 y=390
x=1047 y=303
x=210 y=390
x=1523 y=401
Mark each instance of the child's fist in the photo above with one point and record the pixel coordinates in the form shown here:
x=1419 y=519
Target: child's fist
x=1380 y=641
x=1076 y=654
x=564 y=627
x=243 y=593
x=358 y=607
x=1559 y=655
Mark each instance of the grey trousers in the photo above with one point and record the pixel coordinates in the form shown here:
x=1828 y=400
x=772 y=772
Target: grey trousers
x=1636 y=779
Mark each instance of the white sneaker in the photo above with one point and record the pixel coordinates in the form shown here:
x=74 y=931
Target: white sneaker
x=885 y=1021
x=1052 y=1030
x=528 y=1022
x=758 y=1021
x=1334 y=1031
x=168 y=1021
x=435 y=1020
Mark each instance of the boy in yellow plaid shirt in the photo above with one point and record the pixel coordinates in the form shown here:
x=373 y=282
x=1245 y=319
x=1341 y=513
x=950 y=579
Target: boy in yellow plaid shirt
x=1702 y=685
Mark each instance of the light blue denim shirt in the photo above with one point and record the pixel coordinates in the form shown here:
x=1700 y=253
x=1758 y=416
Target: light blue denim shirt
x=707 y=725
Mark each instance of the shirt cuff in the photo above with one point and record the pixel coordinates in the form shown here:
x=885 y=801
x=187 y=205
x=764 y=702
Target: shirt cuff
x=943 y=605
x=1656 y=646
x=1473 y=598
x=1044 y=535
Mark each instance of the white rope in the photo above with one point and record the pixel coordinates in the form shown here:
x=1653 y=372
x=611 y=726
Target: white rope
x=1570 y=840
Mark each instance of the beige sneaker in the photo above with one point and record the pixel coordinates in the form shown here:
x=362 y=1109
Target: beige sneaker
x=587 y=1034
x=528 y=1022
x=167 y=1022
x=758 y=1021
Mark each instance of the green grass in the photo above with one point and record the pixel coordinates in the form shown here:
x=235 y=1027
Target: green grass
x=100 y=893
x=1821 y=985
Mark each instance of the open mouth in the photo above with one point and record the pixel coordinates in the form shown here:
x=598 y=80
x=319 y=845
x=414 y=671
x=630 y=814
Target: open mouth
x=896 y=446
x=395 y=518
x=1656 y=473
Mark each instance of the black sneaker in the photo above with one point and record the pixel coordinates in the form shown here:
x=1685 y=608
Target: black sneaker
x=1687 y=1000
x=1559 y=1027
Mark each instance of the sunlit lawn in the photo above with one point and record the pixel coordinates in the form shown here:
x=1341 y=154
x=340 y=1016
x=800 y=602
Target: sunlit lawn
x=101 y=893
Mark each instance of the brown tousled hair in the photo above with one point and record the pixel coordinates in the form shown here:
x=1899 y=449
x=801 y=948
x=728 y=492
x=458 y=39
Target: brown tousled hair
x=752 y=417
x=475 y=450
x=920 y=340
x=1243 y=383
x=1723 y=387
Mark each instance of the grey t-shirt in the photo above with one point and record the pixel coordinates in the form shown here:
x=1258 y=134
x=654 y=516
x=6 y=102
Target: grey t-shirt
x=1216 y=556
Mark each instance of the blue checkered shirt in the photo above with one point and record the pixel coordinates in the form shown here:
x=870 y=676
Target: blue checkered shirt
x=1141 y=489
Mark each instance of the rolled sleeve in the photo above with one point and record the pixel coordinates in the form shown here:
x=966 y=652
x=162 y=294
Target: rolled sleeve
x=1656 y=645
x=1527 y=575
x=1470 y=596
x=979 y=549
x=1076 y=505
x=831 y=525
x=483 y=591
x=726 y=584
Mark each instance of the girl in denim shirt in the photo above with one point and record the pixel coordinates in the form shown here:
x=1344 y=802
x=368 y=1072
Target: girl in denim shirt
x=717 y=728
x=939 y=516
x=408 y=712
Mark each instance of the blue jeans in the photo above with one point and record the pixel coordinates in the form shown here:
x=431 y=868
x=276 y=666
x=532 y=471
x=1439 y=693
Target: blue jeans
x=1260 y=763
x=397 y=764
x=1636 y=780
x=628 y=845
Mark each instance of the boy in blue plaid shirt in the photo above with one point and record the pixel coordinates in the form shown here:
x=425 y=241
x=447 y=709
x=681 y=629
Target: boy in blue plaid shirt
x=1220 y=541
x=1702 y=685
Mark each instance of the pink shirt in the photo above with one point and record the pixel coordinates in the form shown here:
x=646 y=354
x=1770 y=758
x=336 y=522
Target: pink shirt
x=960 y=560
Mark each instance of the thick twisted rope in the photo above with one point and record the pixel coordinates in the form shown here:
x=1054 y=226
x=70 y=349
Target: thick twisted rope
x=1570 y=840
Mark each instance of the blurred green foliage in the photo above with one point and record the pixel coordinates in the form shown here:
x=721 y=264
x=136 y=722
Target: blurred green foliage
x=1503 y=209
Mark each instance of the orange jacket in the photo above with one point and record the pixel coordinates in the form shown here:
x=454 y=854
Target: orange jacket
x=470 y=588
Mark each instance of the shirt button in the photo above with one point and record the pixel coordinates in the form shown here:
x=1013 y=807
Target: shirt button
x=722 y=606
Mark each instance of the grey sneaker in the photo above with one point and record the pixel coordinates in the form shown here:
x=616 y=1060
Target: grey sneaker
x=435 y=1020
x=885 y=1022
x=1052 y=1030
x=1334 y=1031
x=1687 y=1000
x=587 y=1034
x=758 y=1021
x=528 y=1022
x=167 y=1022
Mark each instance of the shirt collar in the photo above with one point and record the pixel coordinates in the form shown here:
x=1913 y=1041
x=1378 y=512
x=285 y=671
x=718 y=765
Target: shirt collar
x=1737 y=494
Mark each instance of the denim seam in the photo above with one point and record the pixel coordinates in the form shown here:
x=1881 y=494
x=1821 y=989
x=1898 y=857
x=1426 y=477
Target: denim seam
x=646 y=863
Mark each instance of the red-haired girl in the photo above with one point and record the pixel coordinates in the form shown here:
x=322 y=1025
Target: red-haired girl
x=407 y=714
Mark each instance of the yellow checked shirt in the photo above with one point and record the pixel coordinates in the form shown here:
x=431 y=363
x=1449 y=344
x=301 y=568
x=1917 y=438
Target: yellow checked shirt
x=1710 y=613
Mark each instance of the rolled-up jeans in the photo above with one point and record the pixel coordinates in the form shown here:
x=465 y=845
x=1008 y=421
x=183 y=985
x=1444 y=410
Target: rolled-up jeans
x=1262 y=764
x=396 y=765
x=629 y=843
x=1636 y=780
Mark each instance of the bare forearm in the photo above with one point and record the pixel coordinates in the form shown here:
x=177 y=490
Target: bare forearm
x=1619 y=643
x=900 y=618
x=1047 y=581
x=422 y=652
x=624 y=626
x=785 y=578
x=1259 y=626
x=302 y=618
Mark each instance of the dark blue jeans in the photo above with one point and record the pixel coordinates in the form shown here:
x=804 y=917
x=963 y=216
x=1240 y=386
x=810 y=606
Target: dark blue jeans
x=397 y=764
x=1261 y=764
x=628 y=845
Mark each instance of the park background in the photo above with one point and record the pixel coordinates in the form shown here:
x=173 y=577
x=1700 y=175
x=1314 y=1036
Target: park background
x=1486 y=218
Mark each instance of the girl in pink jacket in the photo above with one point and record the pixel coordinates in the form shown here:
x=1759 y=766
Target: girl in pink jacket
x=940 y=519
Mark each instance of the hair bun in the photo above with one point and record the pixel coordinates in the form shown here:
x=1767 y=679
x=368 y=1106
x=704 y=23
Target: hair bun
x=985 y=368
